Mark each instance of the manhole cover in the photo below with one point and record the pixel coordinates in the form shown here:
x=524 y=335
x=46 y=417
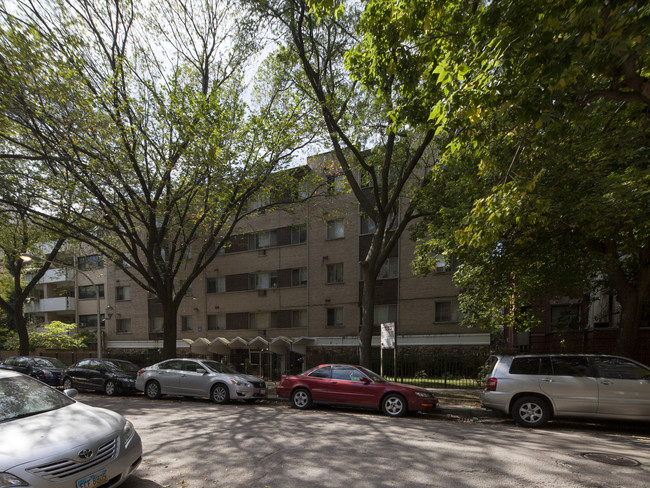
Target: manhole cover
x=615 y=459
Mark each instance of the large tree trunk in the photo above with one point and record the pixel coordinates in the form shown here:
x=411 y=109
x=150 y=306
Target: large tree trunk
x=170 y=333
x=630 y=322
x=21 y=327
x=367 y=317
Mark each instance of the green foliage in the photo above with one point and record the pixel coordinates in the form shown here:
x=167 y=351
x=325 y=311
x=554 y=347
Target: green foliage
x=545 y=182
x=57 y=335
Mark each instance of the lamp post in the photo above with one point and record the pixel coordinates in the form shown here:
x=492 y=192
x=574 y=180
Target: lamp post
x=30 y=257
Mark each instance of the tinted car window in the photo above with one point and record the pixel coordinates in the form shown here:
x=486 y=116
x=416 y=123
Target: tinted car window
x=49 y=363
x=324 y=372
x=571 y=366
x=121 y=366
x=619 y=368
x=346 y=373
x=174 y=364
x=525 y=366
x=220 y=367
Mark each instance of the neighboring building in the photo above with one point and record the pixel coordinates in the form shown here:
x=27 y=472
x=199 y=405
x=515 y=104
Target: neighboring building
x=68 y=294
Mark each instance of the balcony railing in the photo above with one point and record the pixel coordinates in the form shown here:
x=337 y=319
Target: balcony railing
x=58 y=304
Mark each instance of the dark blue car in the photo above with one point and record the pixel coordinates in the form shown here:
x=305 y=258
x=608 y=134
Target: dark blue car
x=48 y=370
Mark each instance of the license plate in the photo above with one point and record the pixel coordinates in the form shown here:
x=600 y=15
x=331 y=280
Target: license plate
x=93 y=480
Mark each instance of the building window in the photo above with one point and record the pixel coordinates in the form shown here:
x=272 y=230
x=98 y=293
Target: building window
x=156 y=325
x=263 y=281
x=187 y=323
x=446 y=265
x=262 y=240
x=216 y=285
x=385 y=314
x=262 y=320
x=299 y=234
x=335 y=229
x=336 y=183
x=299 y=276
x=122 y=293
x=299 y=318
x=447 y=311
x=335 y=273
x=89 y=292
x=123 y=326
x=85 y=263
x=366 y=225
x=388 y=269
x=566 y=316
x=217 y=322
x=89 y=321
x=335 y=317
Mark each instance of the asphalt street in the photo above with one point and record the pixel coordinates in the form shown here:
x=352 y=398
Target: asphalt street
x=194 y=443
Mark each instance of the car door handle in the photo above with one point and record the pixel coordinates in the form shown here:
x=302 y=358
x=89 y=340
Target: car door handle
x=606 y=382
x=547 y=380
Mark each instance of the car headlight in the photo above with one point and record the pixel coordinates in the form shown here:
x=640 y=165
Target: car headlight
x=241 y=383
x=127 y=432
x=8 y=480
x=423 y=394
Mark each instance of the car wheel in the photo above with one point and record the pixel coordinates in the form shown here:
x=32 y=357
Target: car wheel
x=301 y=399
x=219 y=394
x=152 y=390
x=110 y=388
x=394 y=405
x=67 y=383
x=531 y=411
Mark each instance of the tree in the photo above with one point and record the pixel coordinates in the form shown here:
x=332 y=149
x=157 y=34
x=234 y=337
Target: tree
x=375 y=113
x=545 y=179
x=139 y=107
x=19 y=235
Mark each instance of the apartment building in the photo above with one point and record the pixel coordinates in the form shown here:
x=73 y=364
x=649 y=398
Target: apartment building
x=285 y=294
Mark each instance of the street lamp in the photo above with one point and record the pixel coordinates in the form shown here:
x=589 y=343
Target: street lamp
x=26 y=257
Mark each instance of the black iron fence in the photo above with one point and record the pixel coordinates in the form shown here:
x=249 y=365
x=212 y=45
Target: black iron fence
x=439 y=371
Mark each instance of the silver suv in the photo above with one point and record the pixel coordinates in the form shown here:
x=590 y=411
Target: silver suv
x=534 y=388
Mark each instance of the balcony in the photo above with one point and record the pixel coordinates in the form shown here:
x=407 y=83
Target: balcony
x=58 y=304
x=58 y=275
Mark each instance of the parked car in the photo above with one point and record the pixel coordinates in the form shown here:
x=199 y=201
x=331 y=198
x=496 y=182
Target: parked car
x=535 y=388
x=342 y=384
x=112 y=376
x=54 y=441
x=48 y=370
x=199 y=378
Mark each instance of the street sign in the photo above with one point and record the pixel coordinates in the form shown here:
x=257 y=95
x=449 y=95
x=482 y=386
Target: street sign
x=388 y=335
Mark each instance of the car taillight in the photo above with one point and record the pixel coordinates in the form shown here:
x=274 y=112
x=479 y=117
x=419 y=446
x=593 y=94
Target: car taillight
x=491 y=384
x=284 y=376
x=140 y=372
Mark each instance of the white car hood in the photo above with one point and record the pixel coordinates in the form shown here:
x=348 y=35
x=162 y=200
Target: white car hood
x=60 y=430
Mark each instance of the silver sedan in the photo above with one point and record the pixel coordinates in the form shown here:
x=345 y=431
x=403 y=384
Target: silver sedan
x=219 y=382
x=50 y=440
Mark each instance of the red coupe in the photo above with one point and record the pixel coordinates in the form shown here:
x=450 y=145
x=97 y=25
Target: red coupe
x=342 y=384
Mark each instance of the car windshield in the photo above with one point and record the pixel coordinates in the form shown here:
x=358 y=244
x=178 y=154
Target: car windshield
x=49 y=363
x=124 y=366
x=220 y=367
x=372 y=375
x=21 y=396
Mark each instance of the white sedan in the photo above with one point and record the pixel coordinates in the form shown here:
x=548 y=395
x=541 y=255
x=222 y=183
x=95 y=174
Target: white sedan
x=51 y=440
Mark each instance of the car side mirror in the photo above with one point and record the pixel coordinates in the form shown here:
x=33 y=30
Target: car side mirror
x=365 y=380
x=200 y=371
x=71 y=393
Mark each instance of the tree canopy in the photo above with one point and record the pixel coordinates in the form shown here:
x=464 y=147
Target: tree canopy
x=544 y=182
x=139 y=108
